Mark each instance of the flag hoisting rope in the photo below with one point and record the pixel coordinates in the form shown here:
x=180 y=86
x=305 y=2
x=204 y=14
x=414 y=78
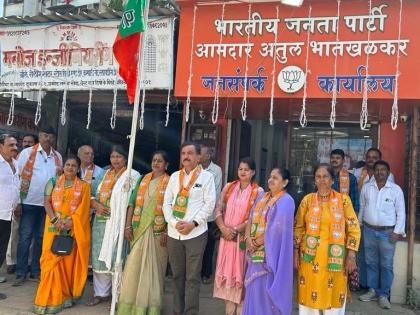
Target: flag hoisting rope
x=127 y=43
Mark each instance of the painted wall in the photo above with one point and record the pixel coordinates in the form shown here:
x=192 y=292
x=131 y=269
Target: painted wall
x=393 y=147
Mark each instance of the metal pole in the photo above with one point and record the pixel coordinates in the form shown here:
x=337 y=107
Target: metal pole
x=127 y=188
x=412 y=203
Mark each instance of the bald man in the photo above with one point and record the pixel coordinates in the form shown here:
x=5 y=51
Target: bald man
x=89 y=172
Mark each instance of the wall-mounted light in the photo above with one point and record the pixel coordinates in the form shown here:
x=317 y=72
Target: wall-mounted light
x=296 y=3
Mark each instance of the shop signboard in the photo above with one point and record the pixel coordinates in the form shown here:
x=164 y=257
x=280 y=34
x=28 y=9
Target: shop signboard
x=78 y=56
x=265 y=49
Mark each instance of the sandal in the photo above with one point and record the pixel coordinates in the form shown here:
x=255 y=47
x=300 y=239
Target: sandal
x=97 y=300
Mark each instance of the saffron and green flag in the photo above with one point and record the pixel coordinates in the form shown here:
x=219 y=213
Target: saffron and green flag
x=126 y=44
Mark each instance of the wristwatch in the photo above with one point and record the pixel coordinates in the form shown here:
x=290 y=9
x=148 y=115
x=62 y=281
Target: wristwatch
x=195 y=223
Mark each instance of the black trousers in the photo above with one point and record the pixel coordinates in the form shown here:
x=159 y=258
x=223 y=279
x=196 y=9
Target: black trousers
x=207 y=266
x=5 y=227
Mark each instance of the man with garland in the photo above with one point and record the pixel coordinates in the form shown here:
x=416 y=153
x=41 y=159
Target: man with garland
x=189 y=201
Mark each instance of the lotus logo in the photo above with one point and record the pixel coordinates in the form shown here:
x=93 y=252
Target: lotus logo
x=291 y=79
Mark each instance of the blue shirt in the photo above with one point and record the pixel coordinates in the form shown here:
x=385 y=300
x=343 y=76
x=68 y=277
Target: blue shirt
x=353 y=190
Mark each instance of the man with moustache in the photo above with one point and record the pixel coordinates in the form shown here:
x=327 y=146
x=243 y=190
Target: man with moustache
x=9 y=196
x=37 y=164
x=28 y=141
x=382 y=214
x=365 y=174
x=189 y=201
x=344 y=182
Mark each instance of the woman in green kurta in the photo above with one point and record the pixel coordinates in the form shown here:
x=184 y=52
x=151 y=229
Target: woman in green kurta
x=108 y=204
x=145 y=229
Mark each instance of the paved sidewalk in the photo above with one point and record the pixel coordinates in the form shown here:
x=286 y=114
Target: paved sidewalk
x=20 y=299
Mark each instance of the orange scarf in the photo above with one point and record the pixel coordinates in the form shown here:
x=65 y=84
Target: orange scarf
x=89 y=174
x=344 y=179
x=251 y=200
x=57 y=198
x=337 y=230
x=179 y=209
x=362 y=178
x=105 y=190
x=259 y=221
x=27 y=171
x=159 y=222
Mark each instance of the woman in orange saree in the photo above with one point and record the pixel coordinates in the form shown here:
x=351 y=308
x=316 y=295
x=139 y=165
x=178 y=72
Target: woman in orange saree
x=63 y=278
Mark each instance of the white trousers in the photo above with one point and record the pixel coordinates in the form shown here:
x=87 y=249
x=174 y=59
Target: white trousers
x=304 y=310
x=102 y=284
x=13 y=241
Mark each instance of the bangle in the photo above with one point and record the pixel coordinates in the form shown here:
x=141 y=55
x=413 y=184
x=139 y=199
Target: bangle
x=128 y=227
x=54 y=220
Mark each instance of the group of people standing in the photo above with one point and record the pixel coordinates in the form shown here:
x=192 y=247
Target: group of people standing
x=175 y=218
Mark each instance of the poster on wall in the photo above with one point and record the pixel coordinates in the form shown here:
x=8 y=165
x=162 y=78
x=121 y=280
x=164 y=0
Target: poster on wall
x=79 y=56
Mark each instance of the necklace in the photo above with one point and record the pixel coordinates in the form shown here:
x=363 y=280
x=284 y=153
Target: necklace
x=324 y=197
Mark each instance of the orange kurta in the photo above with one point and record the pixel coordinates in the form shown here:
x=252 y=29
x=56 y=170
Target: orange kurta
x=63 y=278
x=318 y=287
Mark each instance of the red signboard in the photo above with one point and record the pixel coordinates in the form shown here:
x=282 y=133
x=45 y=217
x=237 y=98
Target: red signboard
x=268 y=48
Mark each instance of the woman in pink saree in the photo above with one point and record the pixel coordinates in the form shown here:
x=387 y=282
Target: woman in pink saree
x=232 y=212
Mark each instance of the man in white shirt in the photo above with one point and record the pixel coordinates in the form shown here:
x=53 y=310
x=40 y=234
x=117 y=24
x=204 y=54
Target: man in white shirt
x=27 y=141
x=9 y=192
x=365 y=175
x=208 y=165
x=37 y=164
x=382 y=214
x=89 y=172
x=189 y=201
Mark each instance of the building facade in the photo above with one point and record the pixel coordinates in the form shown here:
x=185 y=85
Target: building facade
x=287 y=85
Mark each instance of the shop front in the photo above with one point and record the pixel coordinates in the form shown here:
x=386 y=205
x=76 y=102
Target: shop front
x=287 y=85
x=68 y=69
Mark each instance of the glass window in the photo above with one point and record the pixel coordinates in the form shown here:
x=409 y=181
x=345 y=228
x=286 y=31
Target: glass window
x=312 y=145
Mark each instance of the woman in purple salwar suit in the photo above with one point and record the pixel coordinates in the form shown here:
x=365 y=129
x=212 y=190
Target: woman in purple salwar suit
x=269 y=240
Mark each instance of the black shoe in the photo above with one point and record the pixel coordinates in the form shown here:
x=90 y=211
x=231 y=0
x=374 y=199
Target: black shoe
x=3 y=296
x=11 y=269
x=19 y=281
x=206 y=280
x=34 y=276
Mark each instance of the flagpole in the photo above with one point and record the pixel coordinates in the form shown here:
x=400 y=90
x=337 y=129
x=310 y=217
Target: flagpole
x=118 y=261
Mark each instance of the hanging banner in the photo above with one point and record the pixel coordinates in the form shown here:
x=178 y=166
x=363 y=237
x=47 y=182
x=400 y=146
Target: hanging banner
x=79 y=56
x=244 y=41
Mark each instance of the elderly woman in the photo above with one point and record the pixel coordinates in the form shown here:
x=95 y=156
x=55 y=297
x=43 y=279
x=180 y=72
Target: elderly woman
x=327 y=236
x=145 y=229
x=269 y=240
x=109 y=206
x=63 y=278
x=232 y=212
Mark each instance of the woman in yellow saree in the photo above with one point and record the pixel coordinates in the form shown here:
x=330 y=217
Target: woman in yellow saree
x=63 y=278
x=145 y=229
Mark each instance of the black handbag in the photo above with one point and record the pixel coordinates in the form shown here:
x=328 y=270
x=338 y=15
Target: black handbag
x=62 y=245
